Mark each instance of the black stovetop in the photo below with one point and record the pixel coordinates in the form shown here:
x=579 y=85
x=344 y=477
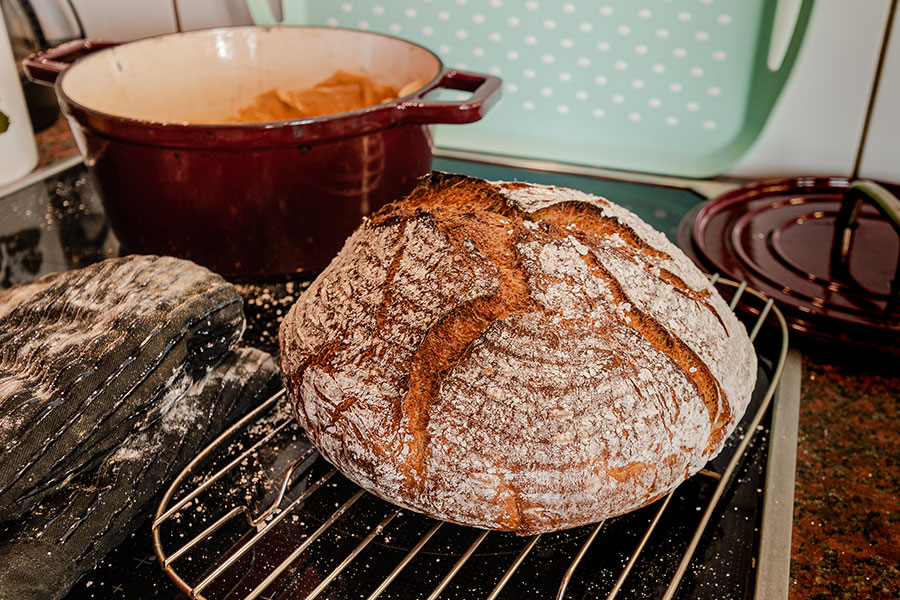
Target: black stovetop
x=58 y=224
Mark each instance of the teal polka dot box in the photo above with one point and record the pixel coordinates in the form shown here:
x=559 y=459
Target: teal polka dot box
x=680 y=87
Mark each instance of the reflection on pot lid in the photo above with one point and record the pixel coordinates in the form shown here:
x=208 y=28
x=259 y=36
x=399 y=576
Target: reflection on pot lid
x=826 y=249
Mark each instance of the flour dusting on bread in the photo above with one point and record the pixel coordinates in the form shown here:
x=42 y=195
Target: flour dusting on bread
x=514 y=356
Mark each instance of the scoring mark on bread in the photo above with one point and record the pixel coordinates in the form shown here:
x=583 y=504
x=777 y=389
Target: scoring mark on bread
x=694 y=369
x=589 y=222
x=698 y=296
x=589 y=225
x=387 y=288
x=483 y=236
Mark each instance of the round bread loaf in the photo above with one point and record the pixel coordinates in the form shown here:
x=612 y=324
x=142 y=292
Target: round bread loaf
x=515 y=357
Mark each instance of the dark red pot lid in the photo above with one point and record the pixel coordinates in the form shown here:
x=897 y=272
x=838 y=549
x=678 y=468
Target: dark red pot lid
x=779 y=237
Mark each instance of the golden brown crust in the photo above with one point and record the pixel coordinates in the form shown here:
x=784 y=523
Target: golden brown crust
x=514 y=357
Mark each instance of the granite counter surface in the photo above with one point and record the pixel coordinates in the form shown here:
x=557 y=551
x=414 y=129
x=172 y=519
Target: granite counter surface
x=846 y=526
x=846 y=536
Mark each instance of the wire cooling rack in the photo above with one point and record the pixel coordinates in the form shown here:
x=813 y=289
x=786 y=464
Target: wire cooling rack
x=259 y=514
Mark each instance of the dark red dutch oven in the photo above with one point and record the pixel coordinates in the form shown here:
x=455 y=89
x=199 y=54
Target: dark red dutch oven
x=250 y=201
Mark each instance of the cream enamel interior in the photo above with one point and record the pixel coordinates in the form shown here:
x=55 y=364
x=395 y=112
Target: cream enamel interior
x=204 y=76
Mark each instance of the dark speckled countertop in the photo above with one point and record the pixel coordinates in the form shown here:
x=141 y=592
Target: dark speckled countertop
x=846 y=537
x=846 y=532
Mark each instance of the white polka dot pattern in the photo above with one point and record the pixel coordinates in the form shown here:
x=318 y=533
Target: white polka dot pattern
x=654 y=74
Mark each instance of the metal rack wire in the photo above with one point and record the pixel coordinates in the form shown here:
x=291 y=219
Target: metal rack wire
x=209 y=483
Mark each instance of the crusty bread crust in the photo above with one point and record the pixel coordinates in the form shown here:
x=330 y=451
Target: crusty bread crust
x=515 y=357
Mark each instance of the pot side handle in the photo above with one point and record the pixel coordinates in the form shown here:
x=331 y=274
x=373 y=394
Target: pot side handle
x=485 y=93
x=44 y=67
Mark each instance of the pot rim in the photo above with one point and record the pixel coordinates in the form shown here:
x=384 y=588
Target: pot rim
x=300 y=132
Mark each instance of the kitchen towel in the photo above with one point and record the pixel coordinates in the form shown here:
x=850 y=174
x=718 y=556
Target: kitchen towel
x=85 y=355
x=112 y=377
x=70 y=531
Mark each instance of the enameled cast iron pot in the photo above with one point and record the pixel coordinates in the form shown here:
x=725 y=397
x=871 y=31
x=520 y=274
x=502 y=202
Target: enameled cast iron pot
x=250 y=201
